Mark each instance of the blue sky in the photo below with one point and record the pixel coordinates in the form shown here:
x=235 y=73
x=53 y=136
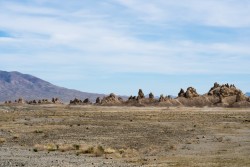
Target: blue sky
x=120 y=46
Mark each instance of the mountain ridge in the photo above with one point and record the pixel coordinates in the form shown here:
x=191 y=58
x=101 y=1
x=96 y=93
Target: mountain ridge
x=14 y=85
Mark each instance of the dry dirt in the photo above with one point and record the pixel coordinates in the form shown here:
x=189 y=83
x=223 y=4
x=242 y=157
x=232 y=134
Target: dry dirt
x=61 y=135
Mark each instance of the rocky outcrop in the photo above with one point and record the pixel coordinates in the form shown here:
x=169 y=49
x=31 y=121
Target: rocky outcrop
x=141 y=100
x=162 y=98
x=181 y=93
x=21 y=101
x=219 y=95
x=86 y=101
x=190 y=93
x=18 y=101
x=168 y=101
x=77 y=101
x=228 y=94
x=45 y=101
x=151 y=95
x=132 y=98
x=98 y=100
x=166 y=98
x=8 y=102
x=140 y=94
x=112 y=99
x=241 y=97
x=223 y=90
x=32 y=102
x=56 y=100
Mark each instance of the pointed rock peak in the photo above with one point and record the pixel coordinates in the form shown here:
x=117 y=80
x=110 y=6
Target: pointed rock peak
x=140 y=94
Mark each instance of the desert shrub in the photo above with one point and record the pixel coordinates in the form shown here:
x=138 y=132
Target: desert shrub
x=99 y=150
x=51 y=147
x=16 y=136
x=38 y=131
x=76 y=146
x=81 y=149
x=90 y=150
x=2 y=140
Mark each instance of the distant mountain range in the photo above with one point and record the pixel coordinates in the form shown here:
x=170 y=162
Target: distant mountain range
x=14 y=85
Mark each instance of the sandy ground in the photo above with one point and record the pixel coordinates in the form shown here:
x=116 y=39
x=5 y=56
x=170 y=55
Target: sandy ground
x=60 y=135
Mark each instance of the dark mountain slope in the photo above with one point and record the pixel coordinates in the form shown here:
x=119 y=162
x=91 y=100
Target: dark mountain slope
x=14 y=85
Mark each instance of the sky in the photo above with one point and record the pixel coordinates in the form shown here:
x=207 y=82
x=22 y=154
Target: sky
x=119 y=46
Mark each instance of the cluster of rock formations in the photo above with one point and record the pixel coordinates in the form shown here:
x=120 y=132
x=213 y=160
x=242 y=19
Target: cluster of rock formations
x=112 y=99
x=219 y=95
x=77 y=101
x=19 y=101
x=229 y=95
x=190 y=93
x=163 y=99
x=42 y=101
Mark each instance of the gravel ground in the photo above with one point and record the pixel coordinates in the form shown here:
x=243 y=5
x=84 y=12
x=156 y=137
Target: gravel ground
x=137 y=136
x=22 y=157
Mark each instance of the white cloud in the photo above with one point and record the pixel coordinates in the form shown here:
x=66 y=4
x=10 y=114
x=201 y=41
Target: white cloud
x=225 y=13
x=90 y=41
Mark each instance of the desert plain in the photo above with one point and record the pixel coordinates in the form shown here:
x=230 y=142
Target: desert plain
x=88 y=135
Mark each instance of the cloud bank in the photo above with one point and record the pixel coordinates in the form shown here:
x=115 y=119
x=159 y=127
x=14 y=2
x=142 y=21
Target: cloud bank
x=79 y=38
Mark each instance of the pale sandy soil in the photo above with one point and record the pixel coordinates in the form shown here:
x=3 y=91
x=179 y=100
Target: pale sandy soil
x=59 y=135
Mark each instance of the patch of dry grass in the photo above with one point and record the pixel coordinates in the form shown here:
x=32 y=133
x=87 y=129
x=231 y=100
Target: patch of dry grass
x=136 y=133
x=81 y=149
x=97 y=150
x=2 y=140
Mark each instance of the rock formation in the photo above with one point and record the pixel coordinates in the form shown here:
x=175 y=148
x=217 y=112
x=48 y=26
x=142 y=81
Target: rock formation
x=75 y=101
x=224 y=90
x=181 y=93
x=18 y=101
x=98 y=100
x=45 y=101
x=56 y=101
x=112 y=99
x=228 y=94
x=162 y=98
x=132 y=98
x=21 y=101
x=140 y=94
x=151 y=95
x=241 y=97
x=166 y=98
x=80 y=102
x=190 y=93
x=86 y=101
x=219 y=95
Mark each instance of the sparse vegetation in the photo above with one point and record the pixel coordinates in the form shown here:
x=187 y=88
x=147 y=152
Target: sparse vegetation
x=2 y=140
x=16 y=136
x=81 y=149
x=76 y=146
x=38 y=131
x=108 y=133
